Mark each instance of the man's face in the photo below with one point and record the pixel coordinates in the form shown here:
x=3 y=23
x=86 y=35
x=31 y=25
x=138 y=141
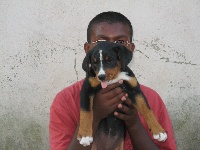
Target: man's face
x=110 y=32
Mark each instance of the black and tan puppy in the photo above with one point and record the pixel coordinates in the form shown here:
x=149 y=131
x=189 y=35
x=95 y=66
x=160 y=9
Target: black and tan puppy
x=105 y=64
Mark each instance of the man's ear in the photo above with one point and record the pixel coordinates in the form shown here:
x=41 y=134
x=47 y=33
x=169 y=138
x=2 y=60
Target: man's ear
x=125 y=56
x=132 y=47
x=86 y=47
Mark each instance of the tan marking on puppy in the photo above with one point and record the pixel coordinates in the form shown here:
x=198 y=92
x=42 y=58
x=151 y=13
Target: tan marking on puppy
x=153 y=124
x=94 y=82
x=133 y=81
x=148 y=115
x=112 y=73
x=86 y=119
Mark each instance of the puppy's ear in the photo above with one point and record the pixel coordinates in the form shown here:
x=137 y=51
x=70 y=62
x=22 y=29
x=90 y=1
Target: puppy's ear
x=86 y=65
x=125 y=56
x=86 y=62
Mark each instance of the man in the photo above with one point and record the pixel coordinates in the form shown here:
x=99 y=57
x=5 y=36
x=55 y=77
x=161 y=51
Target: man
x=65 y=109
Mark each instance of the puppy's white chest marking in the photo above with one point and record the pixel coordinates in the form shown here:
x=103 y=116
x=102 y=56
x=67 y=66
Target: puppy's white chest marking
x=101 y=71
x=121 y=76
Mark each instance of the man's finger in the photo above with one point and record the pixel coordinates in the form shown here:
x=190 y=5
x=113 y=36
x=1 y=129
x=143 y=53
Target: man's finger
x=121 y=116
x=124 y=109
x=128 y=102
x=116 y=99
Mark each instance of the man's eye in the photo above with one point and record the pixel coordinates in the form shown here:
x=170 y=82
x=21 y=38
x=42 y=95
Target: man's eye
x=120 y=41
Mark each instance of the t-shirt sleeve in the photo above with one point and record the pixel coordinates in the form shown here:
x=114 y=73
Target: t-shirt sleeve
x=62 y=125
x=170 y=143
x=164 y=120
x=161 y=113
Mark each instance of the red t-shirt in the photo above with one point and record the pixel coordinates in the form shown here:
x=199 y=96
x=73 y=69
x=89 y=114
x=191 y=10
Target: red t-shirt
x=64 y=118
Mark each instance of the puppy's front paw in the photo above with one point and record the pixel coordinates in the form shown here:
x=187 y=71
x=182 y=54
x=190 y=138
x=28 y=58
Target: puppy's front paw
x=161 y=137
x=85 y=141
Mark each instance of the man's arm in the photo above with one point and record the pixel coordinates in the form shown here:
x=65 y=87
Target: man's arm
x=61 y=129
x=139 y=137
x=64 y=117
x=75 y=145
x=138 y=131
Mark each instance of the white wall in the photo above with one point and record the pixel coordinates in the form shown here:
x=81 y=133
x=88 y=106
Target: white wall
x=41 y=49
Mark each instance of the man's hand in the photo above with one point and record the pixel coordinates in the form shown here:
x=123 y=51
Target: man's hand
x=106 y=101
x=139 y=137
x=129 y=115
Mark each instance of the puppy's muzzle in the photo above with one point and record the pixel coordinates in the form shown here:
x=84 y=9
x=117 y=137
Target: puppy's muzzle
x=102 y=77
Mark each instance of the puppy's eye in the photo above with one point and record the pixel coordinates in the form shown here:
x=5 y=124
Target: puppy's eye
x=109 y=59
x=94 y=61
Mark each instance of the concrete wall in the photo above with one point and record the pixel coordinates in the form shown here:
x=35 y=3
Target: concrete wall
x=41 y=49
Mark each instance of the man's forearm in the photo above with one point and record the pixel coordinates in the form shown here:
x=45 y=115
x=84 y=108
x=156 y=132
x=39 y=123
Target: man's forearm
x=75 y=145
x=140 y=138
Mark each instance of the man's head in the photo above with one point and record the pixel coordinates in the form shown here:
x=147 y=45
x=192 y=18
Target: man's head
x=111 y=18
x=109 y=26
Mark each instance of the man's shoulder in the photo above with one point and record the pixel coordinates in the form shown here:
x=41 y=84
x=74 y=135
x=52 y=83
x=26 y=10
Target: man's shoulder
x=68 y=95
x=75 y=87
x=153 y=98
x=147 y=90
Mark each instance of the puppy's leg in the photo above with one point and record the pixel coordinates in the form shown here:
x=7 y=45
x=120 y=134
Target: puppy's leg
x=85 y=128
x=142 y=106
x=155 y=128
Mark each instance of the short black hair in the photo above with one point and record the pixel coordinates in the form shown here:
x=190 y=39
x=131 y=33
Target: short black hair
x=109 y=17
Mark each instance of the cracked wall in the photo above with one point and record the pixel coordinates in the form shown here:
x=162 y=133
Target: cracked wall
x=41 y=48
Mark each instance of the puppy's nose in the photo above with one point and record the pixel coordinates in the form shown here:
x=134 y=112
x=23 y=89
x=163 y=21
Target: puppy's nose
x=102 y=77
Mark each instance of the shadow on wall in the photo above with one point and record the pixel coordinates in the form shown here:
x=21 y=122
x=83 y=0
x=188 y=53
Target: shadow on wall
x=186 y=123
x=27 y=134
x=22 y=135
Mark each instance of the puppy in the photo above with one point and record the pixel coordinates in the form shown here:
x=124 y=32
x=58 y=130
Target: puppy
x=105 y=64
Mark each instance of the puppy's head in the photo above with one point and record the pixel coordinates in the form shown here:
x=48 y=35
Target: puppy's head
x=106 y=60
